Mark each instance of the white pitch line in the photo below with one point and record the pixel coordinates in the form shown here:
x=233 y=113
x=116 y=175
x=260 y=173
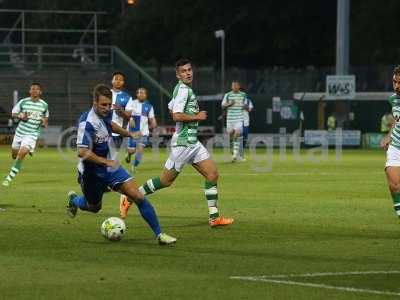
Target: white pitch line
x=314 y=285
x=329 y=274
x=280 y=174
x=267 y=173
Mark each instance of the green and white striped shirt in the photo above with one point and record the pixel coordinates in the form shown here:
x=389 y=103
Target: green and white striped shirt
x=395 y=137
x=184 y=101
x=235 y=111
x=36 y=111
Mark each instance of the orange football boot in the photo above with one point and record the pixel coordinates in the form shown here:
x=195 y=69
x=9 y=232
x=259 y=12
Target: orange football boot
x=220 y=221
x=124 y=206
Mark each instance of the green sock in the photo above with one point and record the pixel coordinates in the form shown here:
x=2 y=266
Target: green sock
x=211 y=192
x=14 y=170
x=396 y=202
x=151 y=186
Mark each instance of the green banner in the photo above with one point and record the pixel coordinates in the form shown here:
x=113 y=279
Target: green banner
x=372 y=140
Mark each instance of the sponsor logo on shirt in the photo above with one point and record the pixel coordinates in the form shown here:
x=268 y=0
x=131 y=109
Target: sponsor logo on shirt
x=101 y=139
x=396 y=116
x=34 y=115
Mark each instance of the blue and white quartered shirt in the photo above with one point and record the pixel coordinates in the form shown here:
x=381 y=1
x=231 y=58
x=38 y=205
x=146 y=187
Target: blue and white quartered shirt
x=119 y=98
x=246 y=115
x=141 y=113
x=94 y=133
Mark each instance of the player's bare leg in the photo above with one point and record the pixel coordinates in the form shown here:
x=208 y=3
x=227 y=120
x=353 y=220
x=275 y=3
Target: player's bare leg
x=231 y=139
x=147 y=211
x=208 y=169
x=14 y=153
x=129 y=153
x=18 y=155
x=166 y=178
x=138 y=156
x=393 y=179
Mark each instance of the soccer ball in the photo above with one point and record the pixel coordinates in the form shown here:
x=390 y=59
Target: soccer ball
x=113 y=229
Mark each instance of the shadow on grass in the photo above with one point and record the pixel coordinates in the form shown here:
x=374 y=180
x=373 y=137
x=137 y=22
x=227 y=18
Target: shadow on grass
x=43 y=181
x=6 y=205
x=184 y=221
x=136 y=246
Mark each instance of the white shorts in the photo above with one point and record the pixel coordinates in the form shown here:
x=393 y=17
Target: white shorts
x=234 y=126
x=24 y=141
x=392 y=157
x=181 y=155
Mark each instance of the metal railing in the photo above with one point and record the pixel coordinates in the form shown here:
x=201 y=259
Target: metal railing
x=36 y=56
x=18 y=32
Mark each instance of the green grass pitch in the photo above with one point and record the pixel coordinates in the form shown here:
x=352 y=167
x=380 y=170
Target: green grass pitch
x=301 y=217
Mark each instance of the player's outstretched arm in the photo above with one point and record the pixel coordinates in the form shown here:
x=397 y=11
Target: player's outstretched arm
x=120 y=111
x=122 y=131
x=181 y=117
x=227 y=104
x=152 y=123
x=126 y=114
x=388 y=138
x=22 y=116
x=45 y=122
x=89 y=155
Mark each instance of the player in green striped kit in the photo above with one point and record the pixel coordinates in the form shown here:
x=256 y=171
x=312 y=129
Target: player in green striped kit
x=234 y=103
x=185 y=147
x=33 y=114
x=391 y=143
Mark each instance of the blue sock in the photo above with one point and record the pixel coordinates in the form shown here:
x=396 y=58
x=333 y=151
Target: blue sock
x=138 y=158
x=80 y=202
x=241 y=148
x=149 y=215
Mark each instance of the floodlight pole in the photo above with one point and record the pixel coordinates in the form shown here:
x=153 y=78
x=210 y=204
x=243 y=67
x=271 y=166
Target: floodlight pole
x=342 y=53
x=223 y=63
x=342 y=37
x=123 y=7
x=220 y=34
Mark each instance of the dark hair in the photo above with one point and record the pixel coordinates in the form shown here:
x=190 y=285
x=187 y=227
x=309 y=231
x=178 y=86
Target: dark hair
x=101 y=90
x=181 y=62
x=38 y=84
x=118 y=73
x=236 y=81
x=141 y=88
x=396 y=70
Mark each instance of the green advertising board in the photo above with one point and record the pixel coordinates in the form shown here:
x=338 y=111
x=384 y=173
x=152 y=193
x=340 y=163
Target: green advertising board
x=372 y=140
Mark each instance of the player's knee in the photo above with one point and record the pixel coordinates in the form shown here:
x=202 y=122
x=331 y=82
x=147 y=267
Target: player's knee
x=138 y=199
x=166 y=182
x=213 y=176
x=136 y=196
x=394 y=186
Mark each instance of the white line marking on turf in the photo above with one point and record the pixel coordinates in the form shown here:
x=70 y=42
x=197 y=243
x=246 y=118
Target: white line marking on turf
x=330 y=274
x=314 y=285
x=270 y=279
x=270 y=174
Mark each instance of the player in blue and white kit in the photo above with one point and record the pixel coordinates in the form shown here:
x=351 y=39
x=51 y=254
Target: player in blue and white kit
x=119 y=101
x=142 y=119
x=98 y=167
x=247 y=108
